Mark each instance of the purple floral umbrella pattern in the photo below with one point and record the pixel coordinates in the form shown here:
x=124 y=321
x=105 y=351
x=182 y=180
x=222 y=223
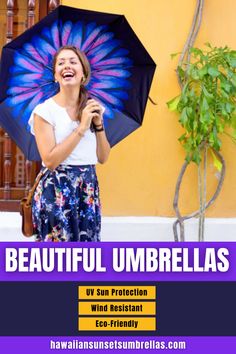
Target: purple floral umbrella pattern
x=26 y=75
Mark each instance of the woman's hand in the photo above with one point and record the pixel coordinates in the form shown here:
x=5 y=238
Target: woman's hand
x=93 y=113
x=97 y=110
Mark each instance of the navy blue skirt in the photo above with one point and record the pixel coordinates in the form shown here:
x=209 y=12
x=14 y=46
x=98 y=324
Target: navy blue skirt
x=66 y=205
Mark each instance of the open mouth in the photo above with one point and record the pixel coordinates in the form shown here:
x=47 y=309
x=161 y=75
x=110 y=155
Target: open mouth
x=68 y=74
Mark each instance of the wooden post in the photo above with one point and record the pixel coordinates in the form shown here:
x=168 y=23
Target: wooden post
x=7 y=144
x=7 y=155
x=31 y=13
x=28 y=164
x=53 y=5
x=10 y=15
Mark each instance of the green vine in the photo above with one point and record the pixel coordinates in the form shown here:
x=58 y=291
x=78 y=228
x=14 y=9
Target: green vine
x=207 y=103
x=206 y=108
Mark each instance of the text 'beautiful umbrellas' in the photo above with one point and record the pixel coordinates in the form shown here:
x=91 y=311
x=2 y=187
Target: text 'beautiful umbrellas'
x=121 y=71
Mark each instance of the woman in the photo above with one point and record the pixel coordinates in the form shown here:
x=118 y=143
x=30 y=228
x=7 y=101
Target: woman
x=66 y=204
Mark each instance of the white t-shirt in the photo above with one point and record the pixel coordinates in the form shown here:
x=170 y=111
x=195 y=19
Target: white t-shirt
x=85 y=152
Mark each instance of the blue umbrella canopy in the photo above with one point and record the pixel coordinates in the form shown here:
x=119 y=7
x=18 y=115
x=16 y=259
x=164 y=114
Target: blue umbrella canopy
x=121 y=72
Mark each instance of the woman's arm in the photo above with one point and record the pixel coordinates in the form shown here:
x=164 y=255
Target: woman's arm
x=51 y=153
x=103 y=146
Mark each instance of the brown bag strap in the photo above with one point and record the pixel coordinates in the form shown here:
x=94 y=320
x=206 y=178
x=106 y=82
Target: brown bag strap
x=31 y=191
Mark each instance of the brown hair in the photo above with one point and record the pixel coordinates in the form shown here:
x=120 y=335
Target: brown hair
x=83 y=95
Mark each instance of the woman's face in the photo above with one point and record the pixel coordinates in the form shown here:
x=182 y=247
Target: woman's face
x=68 y=68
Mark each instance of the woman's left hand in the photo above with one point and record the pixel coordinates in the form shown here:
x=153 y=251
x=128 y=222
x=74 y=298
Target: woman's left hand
x=98 y=118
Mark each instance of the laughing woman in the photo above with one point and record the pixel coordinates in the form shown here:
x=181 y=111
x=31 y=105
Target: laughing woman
x=69 y=132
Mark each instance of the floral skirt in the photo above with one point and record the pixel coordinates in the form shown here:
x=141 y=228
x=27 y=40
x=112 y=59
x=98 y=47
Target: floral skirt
x=66 y=205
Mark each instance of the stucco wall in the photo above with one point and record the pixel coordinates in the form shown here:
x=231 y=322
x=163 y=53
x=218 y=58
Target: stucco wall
x=140 y=176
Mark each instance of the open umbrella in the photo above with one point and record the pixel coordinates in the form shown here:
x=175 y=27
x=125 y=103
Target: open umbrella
x=122 y=71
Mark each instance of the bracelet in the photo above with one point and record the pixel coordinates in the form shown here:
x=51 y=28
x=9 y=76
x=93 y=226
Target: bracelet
x=99 y=129
x=78 y=132
x=97 y=125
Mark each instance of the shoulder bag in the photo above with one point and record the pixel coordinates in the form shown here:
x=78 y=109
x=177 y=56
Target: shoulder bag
x=26 y=208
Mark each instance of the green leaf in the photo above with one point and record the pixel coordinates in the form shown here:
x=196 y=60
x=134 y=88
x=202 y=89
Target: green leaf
x=216 y=162
x=206 y=93
x=192 y=93
x=213 y=71
x=217 y=144
x=233 y=79
x=232 y=62
x=182 y=138
x=204 y=119
x=225 y=86
x=233 y=120
x=205 y=105
x=173 y=55
x=199 y=139
x=229 y=107
x=203 y=71
x=196 y=52
x=189 y=111
x=195 y=125
x=224 y=94
x=196 y=157
x=181 y=72
x=211 y=138
x=194 y=73
x=207 y=44
x=220 y=126
x=173 y=104
x=188 y=158
x=184 y=117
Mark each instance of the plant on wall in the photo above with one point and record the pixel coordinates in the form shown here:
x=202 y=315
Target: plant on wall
x=207 y=109
x=195 y=62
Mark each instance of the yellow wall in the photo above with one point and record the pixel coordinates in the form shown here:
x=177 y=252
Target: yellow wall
x=140 y=176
